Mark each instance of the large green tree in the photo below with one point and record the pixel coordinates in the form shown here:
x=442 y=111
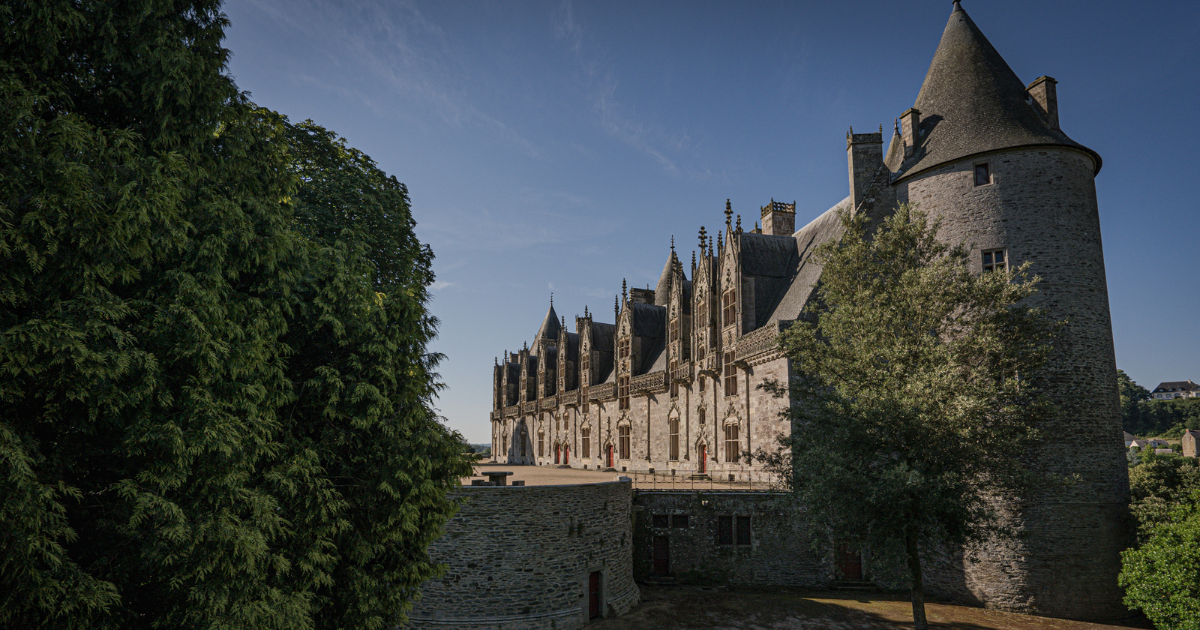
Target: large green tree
x=211 y=414
x=915 y=393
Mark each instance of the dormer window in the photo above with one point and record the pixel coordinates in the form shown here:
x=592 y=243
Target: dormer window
x=995 y=260
x=623 y=393
x=983 y=174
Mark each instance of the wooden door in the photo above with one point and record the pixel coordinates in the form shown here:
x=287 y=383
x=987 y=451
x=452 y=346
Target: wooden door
x=557 y=453
x=567 y=454
x=594 y=595
x=849 y=562
x=610 y=454
x=703 y=459
x=662 y=555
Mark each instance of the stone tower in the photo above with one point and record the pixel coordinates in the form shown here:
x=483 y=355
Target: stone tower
x=984 y=153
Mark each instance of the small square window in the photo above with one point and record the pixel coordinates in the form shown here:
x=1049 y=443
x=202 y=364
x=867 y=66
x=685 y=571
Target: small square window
x=660 y=520
x=983 y=174
x=995 y=260
x=679 y=520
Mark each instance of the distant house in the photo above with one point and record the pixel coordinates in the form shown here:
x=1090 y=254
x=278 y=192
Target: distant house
x=1128 y=439
x=1189 y=443
x=1176 y=389
x=1163 y=451
x=1142 y=445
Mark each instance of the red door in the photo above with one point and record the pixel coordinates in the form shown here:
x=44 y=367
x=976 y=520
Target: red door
x=594 y=595
x=610 y=456
x=703 y=459
x=566 y=454
x=662 y=555
x=849 y=562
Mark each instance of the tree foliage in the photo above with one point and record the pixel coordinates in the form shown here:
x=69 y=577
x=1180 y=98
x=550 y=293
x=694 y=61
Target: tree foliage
x=1141 y=415
x=1161 y=576
x=916 y=392
x=214 y=415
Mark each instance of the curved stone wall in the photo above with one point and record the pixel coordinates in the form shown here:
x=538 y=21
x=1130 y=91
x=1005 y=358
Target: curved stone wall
x=1041 y=207
x=522 y=557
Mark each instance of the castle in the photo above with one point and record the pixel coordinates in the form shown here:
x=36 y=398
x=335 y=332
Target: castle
x=672 y=385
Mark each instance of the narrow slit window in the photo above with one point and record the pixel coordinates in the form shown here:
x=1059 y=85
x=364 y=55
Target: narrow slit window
x=983 y=174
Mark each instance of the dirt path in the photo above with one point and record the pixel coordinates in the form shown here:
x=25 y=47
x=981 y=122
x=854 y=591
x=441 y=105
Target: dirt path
x=689 y=608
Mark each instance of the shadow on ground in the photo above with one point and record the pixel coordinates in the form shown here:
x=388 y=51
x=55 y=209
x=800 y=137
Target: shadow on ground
x=691 y=608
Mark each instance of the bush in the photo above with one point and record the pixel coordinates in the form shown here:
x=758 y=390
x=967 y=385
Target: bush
x=1162 y=576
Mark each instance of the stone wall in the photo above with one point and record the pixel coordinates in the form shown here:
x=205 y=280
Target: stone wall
x=520 y=558
x=1041 y=206
x=780 y=552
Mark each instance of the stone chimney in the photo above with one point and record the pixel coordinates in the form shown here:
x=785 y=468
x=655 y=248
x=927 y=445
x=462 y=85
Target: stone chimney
x=779 y=218
x=1045 y=99
x=641 y=296
x=910 y=130
x=864 y=151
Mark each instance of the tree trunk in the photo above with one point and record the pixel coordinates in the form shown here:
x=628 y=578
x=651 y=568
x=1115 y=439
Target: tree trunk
x=918 y=588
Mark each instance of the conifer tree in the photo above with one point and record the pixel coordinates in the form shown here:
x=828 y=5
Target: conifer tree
x=210 y=415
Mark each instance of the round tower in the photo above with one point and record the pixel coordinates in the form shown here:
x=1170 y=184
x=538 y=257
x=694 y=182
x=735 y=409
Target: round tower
x=984 y=153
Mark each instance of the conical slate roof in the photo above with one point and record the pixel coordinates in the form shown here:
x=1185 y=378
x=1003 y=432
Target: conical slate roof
x=548 y=330
x=662 y=291
x=973 y=102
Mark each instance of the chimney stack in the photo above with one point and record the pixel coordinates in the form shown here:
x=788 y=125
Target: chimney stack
x=864 y=151
x=1045 y=99
x=910 y=130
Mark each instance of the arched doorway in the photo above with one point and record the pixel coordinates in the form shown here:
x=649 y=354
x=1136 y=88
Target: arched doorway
x=557 y=453
x=702 y=457
x=567 y=454
x=609 y=455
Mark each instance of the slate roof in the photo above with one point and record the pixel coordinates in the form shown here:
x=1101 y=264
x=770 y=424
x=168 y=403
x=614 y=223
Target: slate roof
x=806 y=272
x=972 y=102
x=548 y=330
x=662 y=290
x=649 y=320
x=1176 y=386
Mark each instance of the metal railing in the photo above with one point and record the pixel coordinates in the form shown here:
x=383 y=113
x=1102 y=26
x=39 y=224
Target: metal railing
x=726 y=480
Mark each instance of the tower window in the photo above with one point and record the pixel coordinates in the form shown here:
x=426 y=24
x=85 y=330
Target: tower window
x=586 y=437
x=995 y=260
x=729 y=310
x=623 y=441
x=983 y=174
x=623 y=392
x=730 y=374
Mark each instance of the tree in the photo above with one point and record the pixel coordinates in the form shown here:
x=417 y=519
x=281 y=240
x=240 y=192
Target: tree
x=1132 y=395
x=210 y=415
x=1161 y=577
x=916 y=392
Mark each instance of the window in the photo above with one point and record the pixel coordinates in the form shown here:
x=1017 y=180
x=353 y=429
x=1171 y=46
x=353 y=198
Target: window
x=733 y=530
x=729 y=307
x=995 y=260
x=623 y=441
x=743 y=530
x=983 y=175
x=660 y=520
x=623 y=348
x=724 y=530
x=700 y=411
x=541 y=443
x=674 y=330
x=674 y=428
x=730 y=375
x=622 y=392
x=583 y=391
x=585 y=435
x=702 y=383
x=679 y=520
x=731 y=443
x=674 y=384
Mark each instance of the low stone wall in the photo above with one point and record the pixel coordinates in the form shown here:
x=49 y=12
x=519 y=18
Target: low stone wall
x=521 y=558
x=779 y=550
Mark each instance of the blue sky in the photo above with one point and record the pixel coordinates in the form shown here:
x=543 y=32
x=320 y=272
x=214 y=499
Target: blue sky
x=557 y=146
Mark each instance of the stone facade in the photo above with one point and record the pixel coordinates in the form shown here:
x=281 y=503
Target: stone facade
x=672 y=384
x=521 y=558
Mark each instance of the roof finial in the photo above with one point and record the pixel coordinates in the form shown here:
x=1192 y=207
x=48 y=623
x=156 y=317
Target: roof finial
x=564 y=321
x=551 y=299
x=728 y=214
x=585 y=313
x=623 y=289
x=720 y=241
x=693 y=261
x=739 y=224
x=703 y=232
x=710 y=245
x=616 y=308
x=957 y=6
x=896 y=126
x=880 y=128
x=756 y=225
